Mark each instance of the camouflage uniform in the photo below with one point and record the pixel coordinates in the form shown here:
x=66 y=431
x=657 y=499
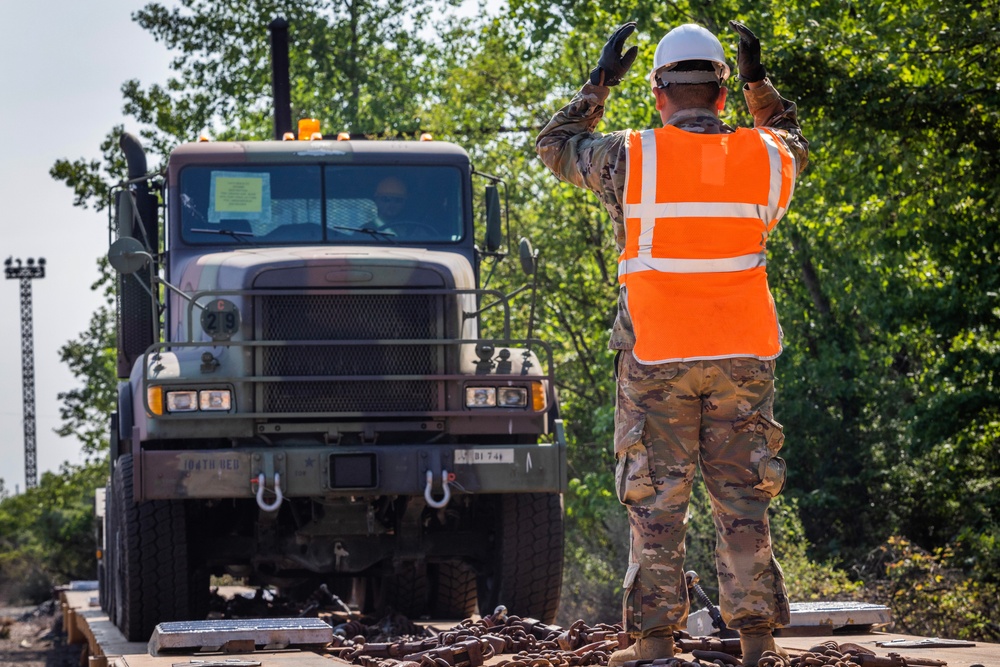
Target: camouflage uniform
x=671 y=417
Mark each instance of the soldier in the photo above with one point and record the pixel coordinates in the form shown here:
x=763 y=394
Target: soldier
x=692 y=204
x=390 y=198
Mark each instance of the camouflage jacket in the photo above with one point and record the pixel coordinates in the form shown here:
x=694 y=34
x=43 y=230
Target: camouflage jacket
x=577 y=154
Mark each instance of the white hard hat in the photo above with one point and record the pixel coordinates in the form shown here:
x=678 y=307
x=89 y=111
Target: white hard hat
x=688 y=42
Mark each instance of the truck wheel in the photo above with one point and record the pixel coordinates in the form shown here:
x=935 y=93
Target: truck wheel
x=406 y=591
x=525 y=574
x=106 y=568
x=151 y=559
x=454 y=590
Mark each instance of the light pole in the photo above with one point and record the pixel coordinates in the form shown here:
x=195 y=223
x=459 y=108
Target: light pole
x=25 y=272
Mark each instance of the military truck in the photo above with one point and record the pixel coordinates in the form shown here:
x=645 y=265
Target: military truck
x=308 y=392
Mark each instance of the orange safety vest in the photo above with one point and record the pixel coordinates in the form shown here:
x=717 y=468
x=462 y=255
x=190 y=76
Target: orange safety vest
x=698 y=210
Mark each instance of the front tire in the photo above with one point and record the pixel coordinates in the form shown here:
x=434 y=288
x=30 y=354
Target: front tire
x=405 y=591
x=454 y=590
x=525 y=574
x=107 y=570
x=150 y=556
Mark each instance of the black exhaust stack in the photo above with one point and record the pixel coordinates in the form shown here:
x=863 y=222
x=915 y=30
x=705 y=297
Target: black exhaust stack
x=145 y=201
x=135 y=159
x=279 y=77
x=137 y=313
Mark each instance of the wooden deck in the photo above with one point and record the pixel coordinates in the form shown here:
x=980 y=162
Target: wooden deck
x=86 y=623
x=987 y=655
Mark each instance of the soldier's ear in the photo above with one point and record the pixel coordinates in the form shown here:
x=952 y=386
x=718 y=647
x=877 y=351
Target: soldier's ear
x=660 y=96
x=720 y=103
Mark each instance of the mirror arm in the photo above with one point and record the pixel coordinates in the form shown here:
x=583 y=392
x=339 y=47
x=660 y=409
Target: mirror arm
x=534 y=299
x=506 y=210
x=155 y=278
x=493 y=266
x=495 y=179
x=180 y=293
x=145 y=287
x=466 y=314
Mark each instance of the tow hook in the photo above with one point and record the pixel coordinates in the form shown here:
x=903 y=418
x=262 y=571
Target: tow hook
x=272 y=506
x=437 y=504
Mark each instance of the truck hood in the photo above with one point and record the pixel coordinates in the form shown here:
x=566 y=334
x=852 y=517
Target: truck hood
x=334 y=267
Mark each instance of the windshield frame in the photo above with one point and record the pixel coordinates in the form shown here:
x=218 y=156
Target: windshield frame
x=451 y=216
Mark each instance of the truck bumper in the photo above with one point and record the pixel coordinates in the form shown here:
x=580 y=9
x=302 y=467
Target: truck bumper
x=352 y=471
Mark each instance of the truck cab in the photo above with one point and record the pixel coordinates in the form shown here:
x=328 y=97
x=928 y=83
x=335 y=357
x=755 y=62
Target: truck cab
x=308 y=394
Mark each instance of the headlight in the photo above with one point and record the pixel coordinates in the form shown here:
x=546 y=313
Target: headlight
x=182 y=401
x=215 y=399
x=506 y=397
x=512 y=397
x=188 y=400
x=480 y=397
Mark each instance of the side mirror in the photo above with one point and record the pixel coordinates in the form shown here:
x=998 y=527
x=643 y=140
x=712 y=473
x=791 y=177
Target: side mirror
x=527 y=257
x=494 y=229
x=127 y=255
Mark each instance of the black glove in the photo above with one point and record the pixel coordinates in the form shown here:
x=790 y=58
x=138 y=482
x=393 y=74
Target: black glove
x=612 y=66
x=748 y=55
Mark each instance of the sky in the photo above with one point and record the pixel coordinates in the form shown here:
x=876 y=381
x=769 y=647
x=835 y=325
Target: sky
x=62 y=64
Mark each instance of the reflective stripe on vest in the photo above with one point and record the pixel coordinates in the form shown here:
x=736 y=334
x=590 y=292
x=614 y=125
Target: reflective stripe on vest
x=698 y=209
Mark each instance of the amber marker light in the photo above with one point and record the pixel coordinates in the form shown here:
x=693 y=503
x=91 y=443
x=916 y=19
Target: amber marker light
x=426 y=136
x=154 y=397
x=316 y=136
x=343 y=136
x=538 y=396
x=307 y=128
x=203 y=138
x=288 y=136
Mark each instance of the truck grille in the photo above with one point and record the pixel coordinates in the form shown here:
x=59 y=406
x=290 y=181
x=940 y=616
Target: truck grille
x=339 y=317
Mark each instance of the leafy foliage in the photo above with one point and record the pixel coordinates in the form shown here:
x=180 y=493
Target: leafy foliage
x=47 y=533
x=91 y=359
x=893 y=320
x=930 y=594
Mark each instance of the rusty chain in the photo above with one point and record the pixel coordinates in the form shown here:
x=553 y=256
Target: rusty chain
x=531 y=643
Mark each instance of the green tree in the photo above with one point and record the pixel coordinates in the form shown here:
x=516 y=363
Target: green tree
x=91 y=359
x=894 y=327
x=47 y=533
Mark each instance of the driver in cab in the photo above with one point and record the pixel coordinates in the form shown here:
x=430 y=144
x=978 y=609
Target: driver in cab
x=395 y=211
x=389 y=218
x=390 y=200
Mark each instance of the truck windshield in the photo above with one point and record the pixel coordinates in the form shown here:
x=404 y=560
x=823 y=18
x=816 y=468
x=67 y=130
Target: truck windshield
x=314 y=204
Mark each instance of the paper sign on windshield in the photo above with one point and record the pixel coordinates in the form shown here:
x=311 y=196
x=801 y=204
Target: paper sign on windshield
x=239 y=194
x=236 y=195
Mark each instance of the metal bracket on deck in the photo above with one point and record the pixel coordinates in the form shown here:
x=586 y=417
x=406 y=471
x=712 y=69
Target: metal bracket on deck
x=181 y=636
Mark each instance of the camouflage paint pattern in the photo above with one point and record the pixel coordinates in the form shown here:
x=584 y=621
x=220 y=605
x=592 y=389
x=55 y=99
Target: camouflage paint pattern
x=670 y=418
x=577 y=154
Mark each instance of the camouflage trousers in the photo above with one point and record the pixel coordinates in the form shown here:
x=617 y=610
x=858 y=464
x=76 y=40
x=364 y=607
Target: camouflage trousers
x=668 y=419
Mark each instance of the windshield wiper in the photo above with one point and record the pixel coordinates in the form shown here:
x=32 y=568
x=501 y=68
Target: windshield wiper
x=225 y=232
x=364 y=230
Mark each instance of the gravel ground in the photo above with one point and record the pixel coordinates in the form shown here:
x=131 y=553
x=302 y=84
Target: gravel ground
x=33 y=637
